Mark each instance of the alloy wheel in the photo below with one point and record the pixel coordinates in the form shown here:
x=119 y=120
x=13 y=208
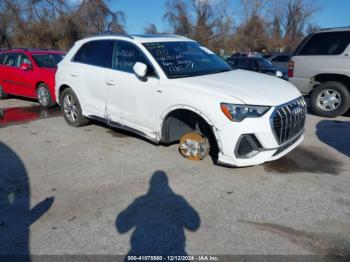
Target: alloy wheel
x=43 y=95
x=70 y=108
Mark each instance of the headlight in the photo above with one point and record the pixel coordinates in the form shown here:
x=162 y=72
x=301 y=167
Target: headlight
x=239 y=112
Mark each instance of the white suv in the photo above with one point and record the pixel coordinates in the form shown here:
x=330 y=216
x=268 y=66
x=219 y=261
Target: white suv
x=170 y=88
x=320 y=66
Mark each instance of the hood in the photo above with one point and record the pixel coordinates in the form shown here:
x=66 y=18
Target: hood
x=249 y=87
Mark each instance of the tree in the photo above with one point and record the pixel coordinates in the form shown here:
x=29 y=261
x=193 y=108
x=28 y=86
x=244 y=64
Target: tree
x=151 y=29
x=178 y=17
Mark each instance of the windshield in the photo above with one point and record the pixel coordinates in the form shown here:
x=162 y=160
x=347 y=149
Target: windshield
x=186 y=59
x=47 y=60
x=264 y=63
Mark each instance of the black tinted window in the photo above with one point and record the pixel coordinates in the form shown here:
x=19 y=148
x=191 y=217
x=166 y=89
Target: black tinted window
x=12 y=59
x=2 y=57
x=244 y=63
x=333 y=43
x=98 y=53
x=126 y=55
x=281 y=58
x=47 y=60
x=232 y=62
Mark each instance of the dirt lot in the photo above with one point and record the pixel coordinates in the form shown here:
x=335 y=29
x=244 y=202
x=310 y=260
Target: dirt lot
x=95 y=190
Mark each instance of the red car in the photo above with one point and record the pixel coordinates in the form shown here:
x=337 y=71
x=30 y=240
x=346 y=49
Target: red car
x=29 y=73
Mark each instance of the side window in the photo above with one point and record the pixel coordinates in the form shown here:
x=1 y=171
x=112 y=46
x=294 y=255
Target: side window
x=331 y=43
x=281 y=58
x=12 y=59
x=254 y=64
x=233 y=62
x=24 y=60
x=243 y=63
x=2 y=57
x=126 y=55
x=97 y=53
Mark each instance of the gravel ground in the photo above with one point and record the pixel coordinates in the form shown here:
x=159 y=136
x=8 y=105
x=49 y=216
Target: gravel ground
x=96 y=191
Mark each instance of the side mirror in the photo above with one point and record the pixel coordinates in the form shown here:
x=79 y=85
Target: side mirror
x=140 y=70
x=279 y=74
x=25 y=67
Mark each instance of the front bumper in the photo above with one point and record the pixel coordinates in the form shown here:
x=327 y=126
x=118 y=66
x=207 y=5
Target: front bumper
x=261 y=138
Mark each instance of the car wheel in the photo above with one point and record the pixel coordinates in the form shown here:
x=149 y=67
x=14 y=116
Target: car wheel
x=194 y=146
x=71 y=109
x=330 y=99
x=3 y=95
x=44 y=96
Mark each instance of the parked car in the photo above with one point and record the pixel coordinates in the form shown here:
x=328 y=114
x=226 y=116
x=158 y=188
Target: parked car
x=280 y=60
x=170 y=88
x=29 y=73
x=257 y=64
x=320 y=67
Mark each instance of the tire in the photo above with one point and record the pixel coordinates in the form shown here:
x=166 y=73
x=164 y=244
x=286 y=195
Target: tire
x=3 y=95
x=71 y=109
x=44 y=96
x=194 y=146
x=330 y=99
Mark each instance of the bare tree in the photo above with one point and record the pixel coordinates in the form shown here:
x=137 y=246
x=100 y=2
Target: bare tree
x=178 y=16
x=205 y=21
x=151 y=29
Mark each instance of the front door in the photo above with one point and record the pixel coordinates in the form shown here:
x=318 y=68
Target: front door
x=130 y=100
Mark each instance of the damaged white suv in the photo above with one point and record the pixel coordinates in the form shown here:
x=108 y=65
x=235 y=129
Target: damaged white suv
x=170 y=88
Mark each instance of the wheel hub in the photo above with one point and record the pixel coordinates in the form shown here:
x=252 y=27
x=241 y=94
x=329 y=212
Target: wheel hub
x=194 y=146
x=329 y=100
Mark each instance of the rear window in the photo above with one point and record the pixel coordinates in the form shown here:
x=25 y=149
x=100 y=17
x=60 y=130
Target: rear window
x=47 y=60
x=97 y=53
x=331 y=43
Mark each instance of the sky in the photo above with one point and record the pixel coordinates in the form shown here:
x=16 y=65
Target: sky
x=139 y=13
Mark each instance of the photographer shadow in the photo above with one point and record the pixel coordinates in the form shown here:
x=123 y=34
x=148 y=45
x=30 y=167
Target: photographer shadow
x=160 y=218
x=15 y=213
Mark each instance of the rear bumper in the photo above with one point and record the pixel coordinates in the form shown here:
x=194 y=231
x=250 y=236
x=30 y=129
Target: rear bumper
x=302 y=84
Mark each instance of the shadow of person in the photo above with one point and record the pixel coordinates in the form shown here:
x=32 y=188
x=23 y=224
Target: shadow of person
x=160 y=218
x=335 y=134
x=15 y=213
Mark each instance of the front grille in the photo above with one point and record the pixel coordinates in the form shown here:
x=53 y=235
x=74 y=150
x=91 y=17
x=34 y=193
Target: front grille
x=288 y=120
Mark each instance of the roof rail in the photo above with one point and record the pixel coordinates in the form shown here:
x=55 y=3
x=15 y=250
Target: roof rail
x=110 y=34
x=27 y=49
x=339 y=27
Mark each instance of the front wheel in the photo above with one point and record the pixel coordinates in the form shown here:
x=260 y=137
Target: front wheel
x=194 y=146
x=44 y=96
x=330 y=99
x=3 y=95
x=71 y=109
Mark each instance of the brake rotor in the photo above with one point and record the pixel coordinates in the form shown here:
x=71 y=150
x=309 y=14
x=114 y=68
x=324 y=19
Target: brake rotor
x=194 y=146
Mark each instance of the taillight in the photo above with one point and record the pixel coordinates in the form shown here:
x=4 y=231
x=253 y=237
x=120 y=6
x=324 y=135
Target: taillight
x=291 y=69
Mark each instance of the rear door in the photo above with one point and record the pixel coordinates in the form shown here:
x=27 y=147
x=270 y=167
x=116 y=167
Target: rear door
x=88 y=72
x=11 y=74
